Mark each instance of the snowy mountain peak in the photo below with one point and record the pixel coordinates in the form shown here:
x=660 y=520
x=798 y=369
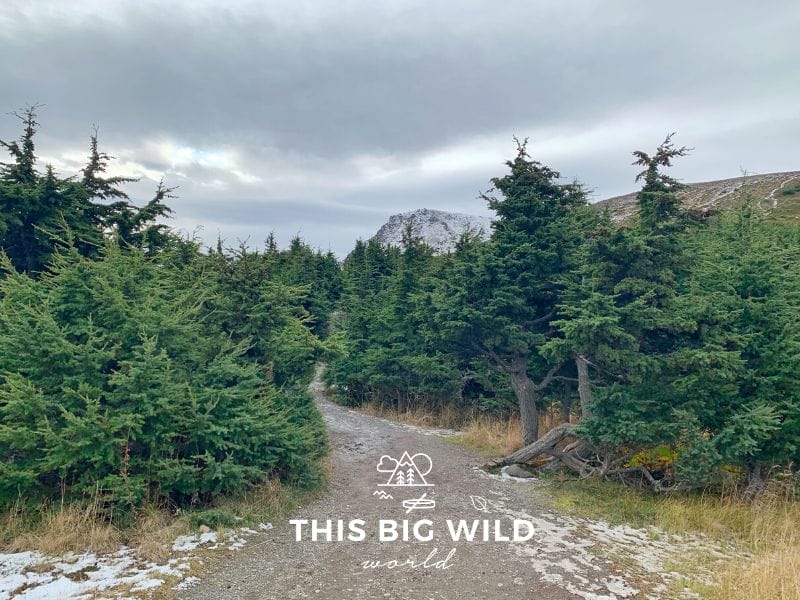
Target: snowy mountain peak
x=437 y=228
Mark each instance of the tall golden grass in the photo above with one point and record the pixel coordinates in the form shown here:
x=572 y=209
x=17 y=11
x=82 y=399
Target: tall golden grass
x=766 y=532
x=488 y=435
x=56 y=528
x=446 y=418
x=770 y=529
x=492 y=437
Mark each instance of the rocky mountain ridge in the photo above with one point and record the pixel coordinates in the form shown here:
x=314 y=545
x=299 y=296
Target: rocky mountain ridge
x=437 y=228
x=778 y=193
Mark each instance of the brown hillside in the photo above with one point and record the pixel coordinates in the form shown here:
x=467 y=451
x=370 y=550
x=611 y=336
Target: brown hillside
x=778 y=193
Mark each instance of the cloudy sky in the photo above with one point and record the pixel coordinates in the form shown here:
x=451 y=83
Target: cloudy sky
x=323 y=118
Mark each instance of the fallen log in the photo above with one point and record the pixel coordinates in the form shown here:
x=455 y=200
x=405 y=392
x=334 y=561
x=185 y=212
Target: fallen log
x=585 y=460
x=544 y=445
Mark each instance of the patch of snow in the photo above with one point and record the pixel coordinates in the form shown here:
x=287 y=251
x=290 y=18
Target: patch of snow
x=77 y=575
x=185 y=543
x=572 y=553
x=187 y=583
x=236 y=543
x=33 y=576
x=595 y=560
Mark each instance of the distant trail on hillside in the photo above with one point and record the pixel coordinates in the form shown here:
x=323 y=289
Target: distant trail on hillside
x=723 y=194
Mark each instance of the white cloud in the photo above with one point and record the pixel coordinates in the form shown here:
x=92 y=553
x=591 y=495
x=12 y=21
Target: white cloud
x=289 y=107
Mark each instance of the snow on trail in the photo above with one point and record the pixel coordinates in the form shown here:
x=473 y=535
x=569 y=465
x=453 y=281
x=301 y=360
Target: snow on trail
x=32 y=575
x=581 y=555
x=574 y=553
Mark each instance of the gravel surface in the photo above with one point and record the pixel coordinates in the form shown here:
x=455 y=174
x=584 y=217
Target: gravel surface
x=554 y=564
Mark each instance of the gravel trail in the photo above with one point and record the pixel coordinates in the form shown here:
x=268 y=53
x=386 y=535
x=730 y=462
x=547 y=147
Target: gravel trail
x=566 y=558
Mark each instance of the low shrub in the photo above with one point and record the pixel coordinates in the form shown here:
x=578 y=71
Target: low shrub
x=116 y=383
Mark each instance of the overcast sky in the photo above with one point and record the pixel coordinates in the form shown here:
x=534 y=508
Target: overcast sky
x=323 y=118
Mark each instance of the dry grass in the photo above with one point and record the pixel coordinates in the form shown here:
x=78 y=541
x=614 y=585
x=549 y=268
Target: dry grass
x=771 y=575
x=154 y=533
x=263 y=502
x=82 y=526
x=56 y=530
x=772 y=533
x=492 y=437
x=486 y=435
x=274 y=499
x=446 y=418
x=767 y=529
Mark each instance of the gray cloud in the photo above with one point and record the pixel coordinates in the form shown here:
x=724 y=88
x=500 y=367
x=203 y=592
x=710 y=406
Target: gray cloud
x=326 y=117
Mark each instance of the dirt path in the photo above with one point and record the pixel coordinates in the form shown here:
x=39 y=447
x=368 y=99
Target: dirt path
x=562 y=560
x=772 y=195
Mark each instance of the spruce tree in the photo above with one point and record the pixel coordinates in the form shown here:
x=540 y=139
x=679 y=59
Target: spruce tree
x=38 y=212
x=498 y=302
x=117 y=379
x=738 y=371
x=23 y=169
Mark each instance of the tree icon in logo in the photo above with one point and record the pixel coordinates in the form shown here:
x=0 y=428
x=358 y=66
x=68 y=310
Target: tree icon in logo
x=409 y=471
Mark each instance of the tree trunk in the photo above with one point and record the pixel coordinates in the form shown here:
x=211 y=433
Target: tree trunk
x=584 y=386
x=566 y=402
x=527 y=394
x=755 y=481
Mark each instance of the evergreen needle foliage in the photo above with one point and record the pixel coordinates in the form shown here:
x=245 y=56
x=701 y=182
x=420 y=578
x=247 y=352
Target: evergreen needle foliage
x=134 y=368
x=673 y=338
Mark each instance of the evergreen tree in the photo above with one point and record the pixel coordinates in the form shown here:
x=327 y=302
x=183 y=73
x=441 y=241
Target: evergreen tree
x=23 y=169
x=499 y=299
x=738 y=372
x=114 y=378
x=39 y=211
x=619 y=320
x=658 y=201
x=135 y=367
x=139 y=227
x=100 y=186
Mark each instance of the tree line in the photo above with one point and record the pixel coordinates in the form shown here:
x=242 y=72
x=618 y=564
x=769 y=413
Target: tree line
x=136 y=366
x=140 y=367
x=673 y=338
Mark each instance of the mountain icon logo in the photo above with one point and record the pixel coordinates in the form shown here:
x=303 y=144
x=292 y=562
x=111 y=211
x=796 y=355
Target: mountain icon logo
x=409 y=471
